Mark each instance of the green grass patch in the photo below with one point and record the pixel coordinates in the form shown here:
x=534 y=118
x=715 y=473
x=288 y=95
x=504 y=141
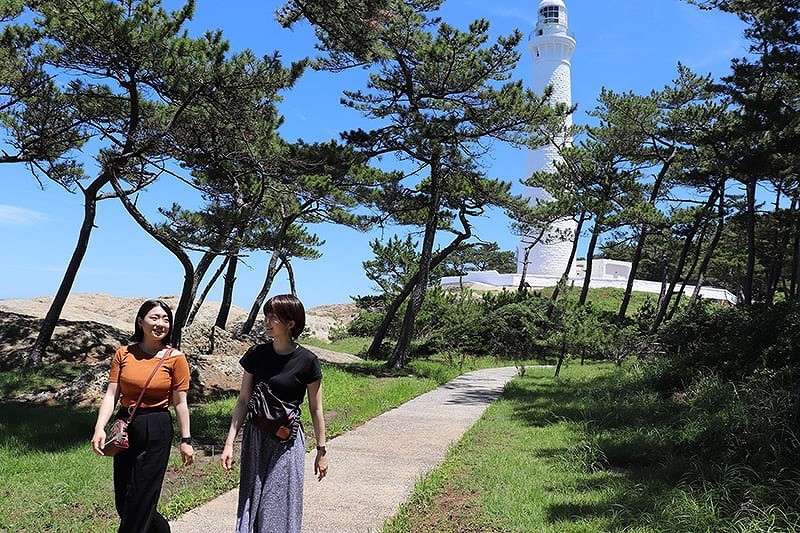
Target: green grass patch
x=351 y=345
x=51 y=480
x=352 y=398
x=49 y=377
x=589 y=452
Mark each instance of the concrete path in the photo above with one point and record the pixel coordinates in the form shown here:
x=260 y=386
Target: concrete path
x=374 y=467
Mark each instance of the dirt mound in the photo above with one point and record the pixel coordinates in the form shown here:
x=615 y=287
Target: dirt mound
x=92 y=326
x=115 y=311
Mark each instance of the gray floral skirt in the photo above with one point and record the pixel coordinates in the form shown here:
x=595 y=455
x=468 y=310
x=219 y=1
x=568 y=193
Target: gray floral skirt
x=271 y=483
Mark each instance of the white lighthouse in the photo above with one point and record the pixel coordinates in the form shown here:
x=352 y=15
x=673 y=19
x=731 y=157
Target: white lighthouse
x=551 y=49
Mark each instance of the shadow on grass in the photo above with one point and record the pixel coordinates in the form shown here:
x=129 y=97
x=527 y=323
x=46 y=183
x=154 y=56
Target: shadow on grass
x=44 y=429
x=572 y=511
x=618 y=432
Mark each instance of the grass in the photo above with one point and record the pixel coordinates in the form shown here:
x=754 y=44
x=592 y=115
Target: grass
x=51 y=478
x=518 y=468
x=351 y=345
x=52 y=481
x=588 y=452
x=50 y=377
x=593 y=451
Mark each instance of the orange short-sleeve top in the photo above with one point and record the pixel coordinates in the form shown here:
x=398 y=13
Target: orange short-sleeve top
x=131 y=367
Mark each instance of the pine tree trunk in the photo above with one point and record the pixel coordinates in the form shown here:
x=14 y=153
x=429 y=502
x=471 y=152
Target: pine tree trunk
x=637 y=258
x=688 y=276
x=388 y=318
x=525 y=256
x=522 y=283
x=227 y=290
x=637 y=254
x=391 y=311
x=661 y=312
x=198 y=274
x=272 y=271
x=290 y=275
x=589 y=253
x=779 y=262
x=204 y=293
x=747 y=286
x=48 y=324
x=400 y=353
x=563 y=353
x=709 y=252
x=572 y=253
x=794 y=286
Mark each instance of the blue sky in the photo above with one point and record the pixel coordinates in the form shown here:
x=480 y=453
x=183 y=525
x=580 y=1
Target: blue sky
x=624 y=45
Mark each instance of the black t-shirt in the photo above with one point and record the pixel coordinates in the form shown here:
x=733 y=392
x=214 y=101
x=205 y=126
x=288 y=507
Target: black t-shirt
x=287 y=375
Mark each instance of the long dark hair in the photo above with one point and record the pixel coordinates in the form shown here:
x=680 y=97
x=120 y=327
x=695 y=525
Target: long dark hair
x=287 y=307
x=138 y=332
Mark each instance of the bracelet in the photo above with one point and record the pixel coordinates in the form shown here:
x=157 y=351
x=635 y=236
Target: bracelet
x=186 y=440
x=322 y=449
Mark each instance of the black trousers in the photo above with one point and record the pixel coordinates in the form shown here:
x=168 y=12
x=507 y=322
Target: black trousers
x=139 y=471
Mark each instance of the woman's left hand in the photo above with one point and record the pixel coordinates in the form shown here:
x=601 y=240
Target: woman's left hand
x=187 y=454
x=321 y=465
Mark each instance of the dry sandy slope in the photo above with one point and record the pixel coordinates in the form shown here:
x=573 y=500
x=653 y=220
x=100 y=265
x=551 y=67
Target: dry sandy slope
x=119 y=312
x=92 y=326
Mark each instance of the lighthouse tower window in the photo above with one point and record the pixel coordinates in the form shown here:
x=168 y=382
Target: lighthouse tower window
x=549 y=14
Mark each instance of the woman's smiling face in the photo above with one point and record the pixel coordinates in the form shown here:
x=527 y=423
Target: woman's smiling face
x=155 y=323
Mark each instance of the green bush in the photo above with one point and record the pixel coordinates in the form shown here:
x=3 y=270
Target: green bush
x=365 y=324
x=503 y=325
x=737 y=372
x=735 y=341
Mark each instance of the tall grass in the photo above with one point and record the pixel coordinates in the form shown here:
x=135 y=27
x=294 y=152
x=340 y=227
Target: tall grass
x=589 y=452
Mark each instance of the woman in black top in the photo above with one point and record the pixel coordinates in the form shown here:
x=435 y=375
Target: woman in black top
x=271 y=477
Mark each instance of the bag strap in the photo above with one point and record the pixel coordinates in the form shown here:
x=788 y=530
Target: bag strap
x=146 y=383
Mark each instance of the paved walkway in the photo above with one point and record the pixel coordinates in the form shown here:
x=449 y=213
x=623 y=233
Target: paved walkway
x=374 y=467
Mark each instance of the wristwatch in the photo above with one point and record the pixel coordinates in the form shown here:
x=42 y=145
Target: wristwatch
x=322 y=450
x=186 y=440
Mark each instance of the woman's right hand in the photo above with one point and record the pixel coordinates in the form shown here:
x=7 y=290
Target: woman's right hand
x=103 y=416
x=227 y=457
x=98 y=439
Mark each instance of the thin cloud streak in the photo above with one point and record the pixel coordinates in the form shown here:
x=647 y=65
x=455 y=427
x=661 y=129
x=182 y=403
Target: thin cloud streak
x=11 y=215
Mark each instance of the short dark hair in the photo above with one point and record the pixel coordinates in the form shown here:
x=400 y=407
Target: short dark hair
x=288 y=308
x=138 y=332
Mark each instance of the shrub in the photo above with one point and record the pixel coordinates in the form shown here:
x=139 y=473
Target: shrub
x=737 y=370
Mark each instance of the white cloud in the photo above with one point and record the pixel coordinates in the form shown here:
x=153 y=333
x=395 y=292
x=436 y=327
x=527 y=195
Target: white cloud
x=11 y=215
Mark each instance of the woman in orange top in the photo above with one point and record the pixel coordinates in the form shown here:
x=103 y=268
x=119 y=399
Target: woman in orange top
x=139 y=470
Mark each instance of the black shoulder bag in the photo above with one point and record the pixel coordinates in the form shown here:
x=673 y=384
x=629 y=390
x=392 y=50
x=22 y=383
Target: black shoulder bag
x=272 y=415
